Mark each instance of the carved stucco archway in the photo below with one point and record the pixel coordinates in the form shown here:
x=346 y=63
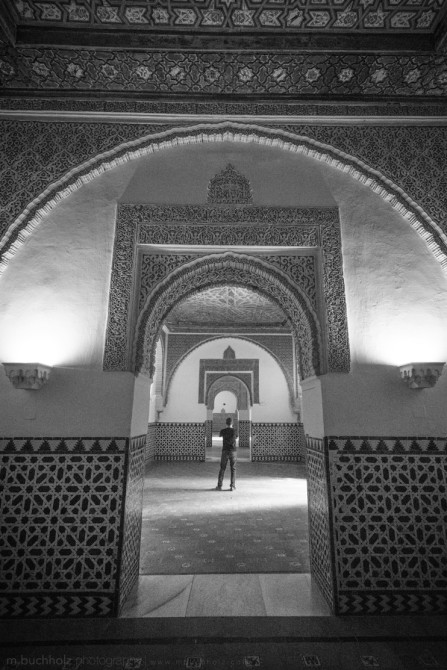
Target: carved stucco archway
x=241 y=270
x=226 y=131
x=288 y=376
x=231 y=383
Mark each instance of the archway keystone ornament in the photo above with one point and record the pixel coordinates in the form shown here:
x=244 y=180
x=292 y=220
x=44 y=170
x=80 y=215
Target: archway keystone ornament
x=237 y=269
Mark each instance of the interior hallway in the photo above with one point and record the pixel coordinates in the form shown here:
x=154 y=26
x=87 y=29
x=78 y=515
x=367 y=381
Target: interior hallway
x=240 y=553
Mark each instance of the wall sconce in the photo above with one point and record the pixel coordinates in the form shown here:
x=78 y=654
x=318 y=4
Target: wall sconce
x=421 y=375
x=29 y=376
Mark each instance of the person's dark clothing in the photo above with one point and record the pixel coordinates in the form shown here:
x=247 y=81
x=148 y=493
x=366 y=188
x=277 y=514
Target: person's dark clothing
x=228 y=438
x=228 y=454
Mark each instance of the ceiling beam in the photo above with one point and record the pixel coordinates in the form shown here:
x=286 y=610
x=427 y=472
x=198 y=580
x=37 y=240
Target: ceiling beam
x=153 y=39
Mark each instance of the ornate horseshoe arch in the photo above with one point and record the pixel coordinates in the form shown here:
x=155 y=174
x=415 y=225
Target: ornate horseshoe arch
x=226 y=131
x=245 y=338
x=241 y=270
x=224 y=383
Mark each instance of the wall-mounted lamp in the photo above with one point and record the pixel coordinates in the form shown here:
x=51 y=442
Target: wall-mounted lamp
x=29 y=376
x=421 y=375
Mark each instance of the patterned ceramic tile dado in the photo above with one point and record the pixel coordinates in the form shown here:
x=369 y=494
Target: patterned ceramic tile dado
x=320 y=541
x=414 y=15
x=67 y=525
x=278 y=442
x=132 y=517
x=179 y=442
x=387 y=510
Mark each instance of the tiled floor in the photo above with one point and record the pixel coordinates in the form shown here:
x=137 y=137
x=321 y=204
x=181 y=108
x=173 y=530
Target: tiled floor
x=225 y=596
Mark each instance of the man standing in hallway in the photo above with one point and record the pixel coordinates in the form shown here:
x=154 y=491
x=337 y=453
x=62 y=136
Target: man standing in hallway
x=228 y=452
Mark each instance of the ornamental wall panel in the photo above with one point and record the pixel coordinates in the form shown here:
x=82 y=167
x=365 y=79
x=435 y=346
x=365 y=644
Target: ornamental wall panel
x=62 y=501
x=378 y=505
x=180 y=442
x=246 y=225
x=277 y=442
x=130 y=553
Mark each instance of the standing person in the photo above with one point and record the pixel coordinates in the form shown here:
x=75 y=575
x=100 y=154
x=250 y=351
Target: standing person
x=228 y=452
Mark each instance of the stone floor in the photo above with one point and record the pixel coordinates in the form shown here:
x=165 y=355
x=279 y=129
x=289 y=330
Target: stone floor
x=250 y=595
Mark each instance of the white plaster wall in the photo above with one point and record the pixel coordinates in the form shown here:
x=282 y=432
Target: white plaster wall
x=396 y=296
x=273 y=392
x=227 y=398
x=74 y=403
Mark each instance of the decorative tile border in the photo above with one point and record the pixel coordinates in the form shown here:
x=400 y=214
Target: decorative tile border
x=52 y=606
x=395 y=602
x=267 y=73
x=388 y=445
x=63 y=445
x=256 y=16
x=336 y=112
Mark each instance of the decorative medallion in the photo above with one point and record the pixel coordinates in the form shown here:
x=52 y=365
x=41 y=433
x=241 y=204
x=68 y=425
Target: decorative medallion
x=229 y=187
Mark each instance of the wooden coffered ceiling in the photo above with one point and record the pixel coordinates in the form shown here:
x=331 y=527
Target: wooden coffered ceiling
x=404 y=25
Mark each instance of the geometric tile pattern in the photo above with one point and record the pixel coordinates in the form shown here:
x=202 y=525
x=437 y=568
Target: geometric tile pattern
x=252 y=15
x=277 y=442
x=272 y=73
x=151 y=442
x=209 y=433
x=244 y=433
x=390 y=521
x=130 y=551
x=389 y=516
x=60 y=521
x=319 y=519
x=180 y=442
